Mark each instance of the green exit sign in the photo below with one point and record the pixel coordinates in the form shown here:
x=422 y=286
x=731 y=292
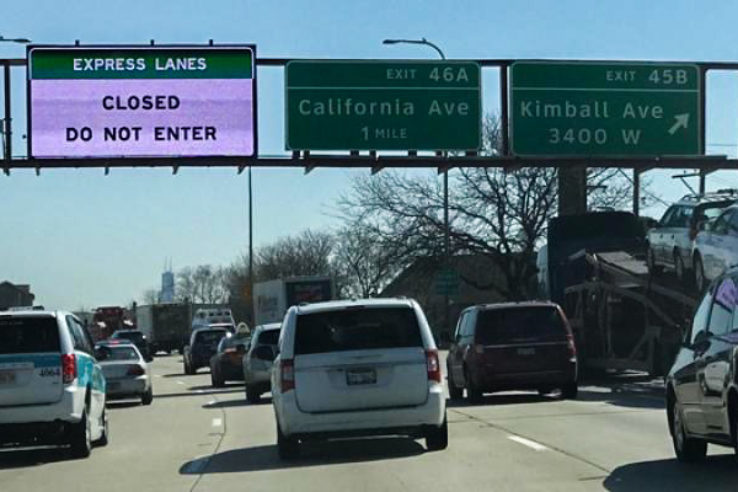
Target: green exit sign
x=382 y=105
x=605 y=109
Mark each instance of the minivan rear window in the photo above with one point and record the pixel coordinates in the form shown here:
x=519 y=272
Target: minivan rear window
x=520 y=325
x=269 y=337
x=210 y=336
x=28 y=335
x=356 y=329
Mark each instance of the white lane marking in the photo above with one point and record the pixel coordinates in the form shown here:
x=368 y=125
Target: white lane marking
x=217 y=422
x=527 y=442
x=181 y=382
x=211 y=403
x=157 y=375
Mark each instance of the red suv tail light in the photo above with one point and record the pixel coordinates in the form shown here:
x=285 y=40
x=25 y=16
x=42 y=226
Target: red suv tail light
x=69 y=368
x=434 y=365
x=287 y=375
x=572 y=346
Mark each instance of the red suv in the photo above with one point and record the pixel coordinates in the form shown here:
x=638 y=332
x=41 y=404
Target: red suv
x=513 y=346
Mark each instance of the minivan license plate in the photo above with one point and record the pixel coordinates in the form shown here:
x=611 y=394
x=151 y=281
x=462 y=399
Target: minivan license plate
x=526 y=351
x=7 y=377
x=361 y=376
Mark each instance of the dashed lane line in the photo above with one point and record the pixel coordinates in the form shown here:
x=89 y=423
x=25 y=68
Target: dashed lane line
x=527 y=442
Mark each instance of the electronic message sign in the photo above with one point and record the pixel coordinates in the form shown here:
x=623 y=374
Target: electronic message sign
x=167 y=101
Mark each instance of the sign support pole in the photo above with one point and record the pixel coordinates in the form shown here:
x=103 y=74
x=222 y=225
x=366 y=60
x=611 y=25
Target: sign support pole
x=8 y=151
x=636 y=191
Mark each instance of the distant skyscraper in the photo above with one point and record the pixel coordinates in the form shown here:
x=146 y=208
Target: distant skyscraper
x=167 y=285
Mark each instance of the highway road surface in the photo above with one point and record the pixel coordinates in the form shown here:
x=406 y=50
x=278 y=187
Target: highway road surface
x=196 y=438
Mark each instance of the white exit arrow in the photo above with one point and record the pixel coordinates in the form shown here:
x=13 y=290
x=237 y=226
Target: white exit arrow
x=682 y=121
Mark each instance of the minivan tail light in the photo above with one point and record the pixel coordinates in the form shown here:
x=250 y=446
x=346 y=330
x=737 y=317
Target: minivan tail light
x=287 y=375
x=69 y=368
x=434 y=365
x=572 y=346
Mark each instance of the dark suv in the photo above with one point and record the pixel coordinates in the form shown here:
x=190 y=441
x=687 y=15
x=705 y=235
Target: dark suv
x=501 y=347
x=702 y=386
x=203 y=345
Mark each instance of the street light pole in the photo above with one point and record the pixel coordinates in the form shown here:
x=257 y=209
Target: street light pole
x=446 y=234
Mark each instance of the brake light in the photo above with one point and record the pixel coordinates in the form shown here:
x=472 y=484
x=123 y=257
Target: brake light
x=479 y=349
x=572 y=346
x=287 y=375
x=433 y=364
x=136 y=371
x=69 y=368
x=692 y=233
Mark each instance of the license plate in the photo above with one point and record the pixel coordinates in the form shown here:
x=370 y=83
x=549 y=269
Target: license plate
x=361 y=376
x=526 y=351
x=7 y=377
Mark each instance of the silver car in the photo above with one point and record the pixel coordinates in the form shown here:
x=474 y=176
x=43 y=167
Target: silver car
x=258 y=360
x=716 y=248
x=670 y=242
x=125 y=370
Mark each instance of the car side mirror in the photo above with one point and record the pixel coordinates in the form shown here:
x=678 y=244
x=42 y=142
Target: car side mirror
x=701 y=341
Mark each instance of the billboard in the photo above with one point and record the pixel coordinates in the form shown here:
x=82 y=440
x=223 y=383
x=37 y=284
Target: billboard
x=135 y=101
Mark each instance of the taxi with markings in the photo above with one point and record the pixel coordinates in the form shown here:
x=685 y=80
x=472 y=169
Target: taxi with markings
x=52 y=390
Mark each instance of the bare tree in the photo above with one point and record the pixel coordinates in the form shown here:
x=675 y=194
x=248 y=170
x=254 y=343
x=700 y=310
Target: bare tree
x=365 y=261
x=307 y=253
x=203 y=284
x=499 y=213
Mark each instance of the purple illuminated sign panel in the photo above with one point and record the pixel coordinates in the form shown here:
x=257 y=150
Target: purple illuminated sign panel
x=106 y=102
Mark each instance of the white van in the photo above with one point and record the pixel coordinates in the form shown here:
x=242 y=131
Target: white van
x=357 y=368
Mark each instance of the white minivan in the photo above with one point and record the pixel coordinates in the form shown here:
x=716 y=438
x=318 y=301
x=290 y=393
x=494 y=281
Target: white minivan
x=357 y=368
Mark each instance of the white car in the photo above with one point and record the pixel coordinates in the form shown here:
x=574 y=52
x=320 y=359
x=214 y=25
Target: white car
x=670 y=242
x=258 y=361
x=52 y=390
x=357 y=368
x=125 y=370
x=716 y=248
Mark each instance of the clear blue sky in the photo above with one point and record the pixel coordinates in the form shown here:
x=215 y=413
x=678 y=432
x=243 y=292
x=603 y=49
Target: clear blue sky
x=84 y=239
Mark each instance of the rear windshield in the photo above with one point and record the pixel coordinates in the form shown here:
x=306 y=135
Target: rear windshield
x=520 y=325
x=28 y=335
x=116 y=353
x=357 y=329
x=269 y=337
x=129 y=335
x=210 y=336
x=710 y=211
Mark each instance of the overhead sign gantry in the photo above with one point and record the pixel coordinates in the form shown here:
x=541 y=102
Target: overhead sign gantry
x=136 y=101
